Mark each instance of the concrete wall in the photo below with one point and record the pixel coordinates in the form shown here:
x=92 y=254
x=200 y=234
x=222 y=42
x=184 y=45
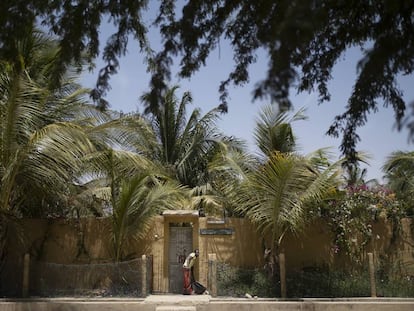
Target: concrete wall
x=68 y=242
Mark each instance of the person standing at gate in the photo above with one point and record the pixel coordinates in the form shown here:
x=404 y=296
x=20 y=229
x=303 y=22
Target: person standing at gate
x=188 y=272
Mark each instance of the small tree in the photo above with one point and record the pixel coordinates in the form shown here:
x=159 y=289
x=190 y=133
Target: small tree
x=140 y=198
x=277 y=196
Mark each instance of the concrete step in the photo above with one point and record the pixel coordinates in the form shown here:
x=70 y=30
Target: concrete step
x=177 y=300
x=175 y=308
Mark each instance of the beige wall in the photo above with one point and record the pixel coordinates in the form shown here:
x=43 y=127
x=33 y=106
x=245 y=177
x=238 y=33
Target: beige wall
x=58 y=241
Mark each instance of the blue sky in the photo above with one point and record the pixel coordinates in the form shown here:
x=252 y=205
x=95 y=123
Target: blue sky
x=378 y=137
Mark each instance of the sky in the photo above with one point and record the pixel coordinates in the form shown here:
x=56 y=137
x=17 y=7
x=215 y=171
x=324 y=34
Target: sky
x=378 y=137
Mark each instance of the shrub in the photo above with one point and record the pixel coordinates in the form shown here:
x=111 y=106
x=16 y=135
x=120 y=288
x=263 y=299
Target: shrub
x=315 y=282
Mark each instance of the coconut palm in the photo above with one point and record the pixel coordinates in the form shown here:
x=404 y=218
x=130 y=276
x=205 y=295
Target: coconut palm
x=187 y=143
x=274 y=131
x=58 y=152
x=228 y=170
x=399 y=169
x=399 y=172
x=353 y=174
x=141 y=197
x=35 y=135
x=130 y=186
x=231 y=167
x=40 y=149
x=277 y=196
x=184 y=145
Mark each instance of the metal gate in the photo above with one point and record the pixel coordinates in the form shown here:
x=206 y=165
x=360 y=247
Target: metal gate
x=181 y=244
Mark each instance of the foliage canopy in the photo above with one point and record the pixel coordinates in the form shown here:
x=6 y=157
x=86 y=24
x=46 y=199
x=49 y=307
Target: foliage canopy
x=303 y=41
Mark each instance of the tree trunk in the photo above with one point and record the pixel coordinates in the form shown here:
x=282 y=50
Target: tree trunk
x=3 y=241
x=282 y=267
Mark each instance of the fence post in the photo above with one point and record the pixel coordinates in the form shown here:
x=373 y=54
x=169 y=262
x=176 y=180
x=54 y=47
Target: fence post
x=372 y=274
x=144 y=275
x=282 y=268
x=212 y=274
x=26 y=275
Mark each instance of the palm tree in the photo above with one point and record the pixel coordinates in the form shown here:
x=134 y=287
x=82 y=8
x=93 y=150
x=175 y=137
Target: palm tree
x=183 y=145
x=131 y=185
x=39 y=148
x=228 y=170
x=277 y=196
x=60 y=155
x=186 y=146
x=232 y=166
x=274 y=131
x=399 y=172
x=354 y=175
x=58 y=152
x=34 y=139
x=140 y=198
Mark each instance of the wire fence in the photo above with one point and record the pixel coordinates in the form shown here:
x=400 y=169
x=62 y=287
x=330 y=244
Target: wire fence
x=392 y=279
x=123 y=279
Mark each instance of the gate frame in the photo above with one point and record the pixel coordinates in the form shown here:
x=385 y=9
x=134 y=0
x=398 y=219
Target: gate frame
x=179 y=216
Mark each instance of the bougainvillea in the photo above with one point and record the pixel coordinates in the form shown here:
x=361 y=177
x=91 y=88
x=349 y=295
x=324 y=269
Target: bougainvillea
x=352 y=214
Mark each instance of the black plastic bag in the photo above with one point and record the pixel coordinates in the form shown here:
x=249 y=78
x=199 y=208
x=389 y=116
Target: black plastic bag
x=198 y=288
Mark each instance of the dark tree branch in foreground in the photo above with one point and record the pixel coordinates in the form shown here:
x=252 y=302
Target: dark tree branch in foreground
x=76 y=25
x=303 y=41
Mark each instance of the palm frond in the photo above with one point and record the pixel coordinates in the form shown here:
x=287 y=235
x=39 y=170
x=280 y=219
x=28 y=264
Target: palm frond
x=117 y=163
x=273 y=130
x=275 y=197
x=141 y=198
x=399 y=171
x=55 y=152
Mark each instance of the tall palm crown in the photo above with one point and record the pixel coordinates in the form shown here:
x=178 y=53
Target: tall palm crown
x=274 y=131
x=35 y=136
x=52 y=141
x=185 y=145
x=40 y=149
x=399 y=172
x=277 y=195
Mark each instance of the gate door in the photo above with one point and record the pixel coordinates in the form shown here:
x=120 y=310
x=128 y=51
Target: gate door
x=181 y=243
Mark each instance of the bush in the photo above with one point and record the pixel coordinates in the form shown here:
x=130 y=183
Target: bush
x=235 y=282
x=316 y=282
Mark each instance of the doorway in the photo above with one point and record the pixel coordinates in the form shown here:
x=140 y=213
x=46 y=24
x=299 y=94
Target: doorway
x=180 y=245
